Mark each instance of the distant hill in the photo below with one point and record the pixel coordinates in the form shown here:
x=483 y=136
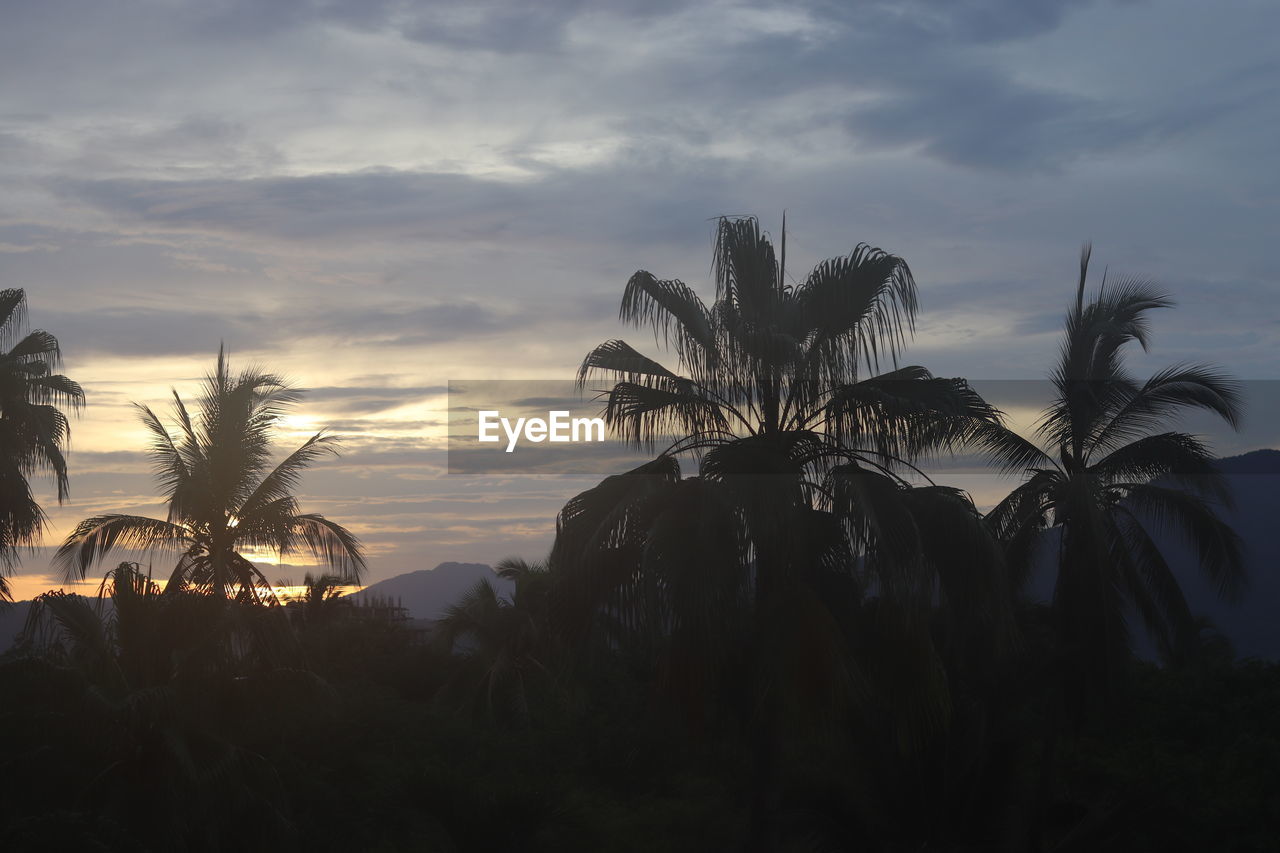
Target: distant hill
x=12 y=618
x=1252 y=624
x=426 y=593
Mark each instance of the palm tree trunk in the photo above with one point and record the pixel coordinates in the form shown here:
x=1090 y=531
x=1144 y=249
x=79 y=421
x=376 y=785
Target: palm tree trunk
x=1048 y=770
x=766 y=794
x=220 y=574
x=766 y=727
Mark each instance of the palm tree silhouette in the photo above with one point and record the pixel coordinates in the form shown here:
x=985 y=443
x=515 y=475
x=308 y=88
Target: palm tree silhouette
x=223 y=494
x=1111 y=477
x=169 y=680
x=769 y=357
x=773 y=398
x=506 y=642
x=33 y=429
x=801 y=500
x=322 y=597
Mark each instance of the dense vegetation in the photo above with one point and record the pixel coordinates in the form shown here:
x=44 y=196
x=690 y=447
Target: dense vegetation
x=803 y=645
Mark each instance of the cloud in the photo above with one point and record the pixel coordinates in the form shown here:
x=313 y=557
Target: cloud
x=983 y=120
x=136 y=330
x=244 y=19
x=370 y=401
x=964 y=21
x=391 y=205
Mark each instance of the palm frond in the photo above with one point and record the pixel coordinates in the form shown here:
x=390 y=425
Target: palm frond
x=95 y=537
x=1008 y=451
x=168 y=462
x=1153 y=588
x=13 y=314
x=1173 y=454
x=21 y=518
x=35 y=435
x=858 y=309
x=644 y=414
x=518 y=569
x=675 y=313
x=1217 y=546
x=285 y=477
x=908 y=413
x=67 y=620
x=1168 y=393
x=966 y=559
x=335 y=547
x=471 y=614
x=237 y=415
x=745 y=269
x=37 y=344
x=618 y=360
x=1027 y=504
x=881 y=526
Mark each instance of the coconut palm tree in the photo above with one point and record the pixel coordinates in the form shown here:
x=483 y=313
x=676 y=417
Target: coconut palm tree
x=223 y=493
x=779 y=390
x=1111 y=477
x=806 y=430
x=33 y=429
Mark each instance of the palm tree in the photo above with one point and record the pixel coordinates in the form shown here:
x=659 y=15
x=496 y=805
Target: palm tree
x=223 y=494
x=769 y=357
x=323 y=596
x=771 y=393
x=176 y=690
x=803 y=498
x=1110 y=476
x=33 y=429
x=504 y=642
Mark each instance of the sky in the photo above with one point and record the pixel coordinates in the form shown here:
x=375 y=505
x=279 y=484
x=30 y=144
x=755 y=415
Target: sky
x=376 y=199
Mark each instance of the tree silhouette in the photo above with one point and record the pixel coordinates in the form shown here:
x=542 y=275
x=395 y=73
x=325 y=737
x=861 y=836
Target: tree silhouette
x=170 y=682
x=801 y=501
x=769 y=357
x=33 y=429
x=1112 y=476
x=322 y=597
x=505 y=642
x=223 y=494
x=792 y=437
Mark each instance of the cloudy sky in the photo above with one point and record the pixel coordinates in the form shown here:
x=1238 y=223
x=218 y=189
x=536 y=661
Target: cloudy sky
x=378 y=198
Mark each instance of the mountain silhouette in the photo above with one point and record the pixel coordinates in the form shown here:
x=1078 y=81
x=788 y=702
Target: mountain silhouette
x=428 y=592
x=13 y=616
x=1251 y=623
